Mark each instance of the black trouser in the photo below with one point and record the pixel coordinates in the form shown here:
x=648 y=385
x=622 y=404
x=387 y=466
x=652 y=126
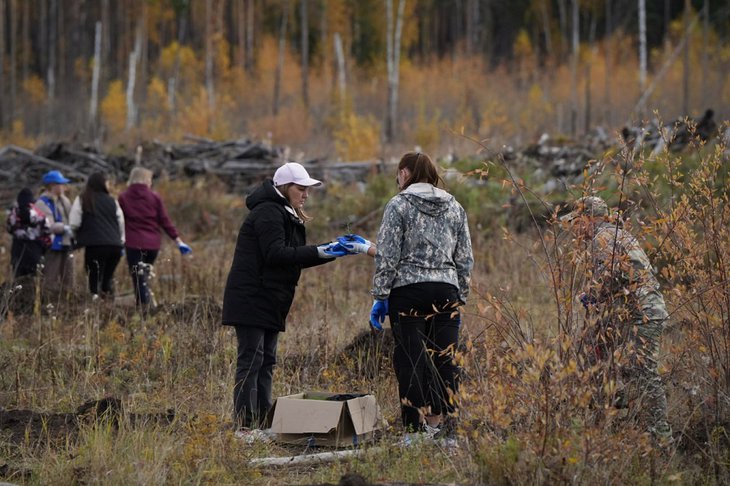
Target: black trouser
x=100 y=262
x=425 y=343
x=140 y=263
x=254 y=375
x=25 y=256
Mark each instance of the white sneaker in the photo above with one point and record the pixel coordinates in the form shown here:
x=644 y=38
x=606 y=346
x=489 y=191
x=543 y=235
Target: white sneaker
x=413 y=439
x=253 y=436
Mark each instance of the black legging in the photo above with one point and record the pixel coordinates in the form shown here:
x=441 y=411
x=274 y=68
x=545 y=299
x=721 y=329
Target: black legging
x=425 y=343
x=100 y=262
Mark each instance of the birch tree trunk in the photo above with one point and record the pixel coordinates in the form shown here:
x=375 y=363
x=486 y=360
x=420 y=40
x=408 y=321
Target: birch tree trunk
x=340 y=57
x=280 y=61
x=305 y=54
x=574 y=70
x=642 y=46
x=133 y=58
x=93 y=107
x=96 y=72
x=393 y=63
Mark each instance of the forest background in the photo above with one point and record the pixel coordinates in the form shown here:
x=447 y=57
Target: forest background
x=321 y=75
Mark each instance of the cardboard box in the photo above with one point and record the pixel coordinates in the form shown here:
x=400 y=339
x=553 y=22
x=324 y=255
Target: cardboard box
x=309 y=418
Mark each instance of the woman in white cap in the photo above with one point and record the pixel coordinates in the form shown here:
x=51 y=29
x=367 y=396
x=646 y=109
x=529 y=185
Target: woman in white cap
x=270 y=253
x=58 y=272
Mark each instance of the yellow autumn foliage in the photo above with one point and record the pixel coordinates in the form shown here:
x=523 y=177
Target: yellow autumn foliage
x=114 y=108
x=156 y=114
x=34 y=90
x=17 y=136
x=197 y=117
x=357 y=137
x=156 y=96
x=190 y=68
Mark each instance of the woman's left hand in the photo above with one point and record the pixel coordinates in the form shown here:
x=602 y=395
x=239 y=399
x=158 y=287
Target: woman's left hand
x=333 y=249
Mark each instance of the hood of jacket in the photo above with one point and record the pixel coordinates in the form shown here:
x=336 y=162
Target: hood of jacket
x=137 y=189
x=427 y=198
x=265 y=193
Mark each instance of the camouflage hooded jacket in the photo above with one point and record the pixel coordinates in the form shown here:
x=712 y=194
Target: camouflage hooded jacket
x=624 y=285
x=424 y=237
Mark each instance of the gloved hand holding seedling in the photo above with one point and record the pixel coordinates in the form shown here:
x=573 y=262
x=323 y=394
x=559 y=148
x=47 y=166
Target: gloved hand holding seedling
x=354 y=244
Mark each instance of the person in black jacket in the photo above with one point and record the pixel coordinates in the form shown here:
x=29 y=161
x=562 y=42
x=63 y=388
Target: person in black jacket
x=98 y=223
x=31 y=235
x=270 y=253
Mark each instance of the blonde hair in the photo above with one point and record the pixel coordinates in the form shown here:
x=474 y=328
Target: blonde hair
x=284 y=189
x=140 y=175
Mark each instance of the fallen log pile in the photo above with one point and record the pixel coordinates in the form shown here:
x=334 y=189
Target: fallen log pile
x=554 y=163
x=240 y=163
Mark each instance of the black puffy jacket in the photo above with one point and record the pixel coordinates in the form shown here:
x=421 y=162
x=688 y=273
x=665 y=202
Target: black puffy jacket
x=270 y=253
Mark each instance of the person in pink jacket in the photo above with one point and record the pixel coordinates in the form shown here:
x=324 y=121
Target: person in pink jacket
x=144 y=216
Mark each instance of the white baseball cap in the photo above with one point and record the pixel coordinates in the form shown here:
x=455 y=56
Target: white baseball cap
x=293 y=173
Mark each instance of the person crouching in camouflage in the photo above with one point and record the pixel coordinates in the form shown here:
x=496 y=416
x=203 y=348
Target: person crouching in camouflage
x=624 y=301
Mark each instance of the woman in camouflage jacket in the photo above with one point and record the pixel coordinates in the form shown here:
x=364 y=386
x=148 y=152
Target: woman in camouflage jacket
x=423 y=266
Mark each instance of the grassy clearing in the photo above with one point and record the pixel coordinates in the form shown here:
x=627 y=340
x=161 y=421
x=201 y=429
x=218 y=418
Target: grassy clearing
x=532 y=412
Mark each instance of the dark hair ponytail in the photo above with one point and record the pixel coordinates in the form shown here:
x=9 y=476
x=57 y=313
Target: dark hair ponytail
x=421 y=168
x=95 y=184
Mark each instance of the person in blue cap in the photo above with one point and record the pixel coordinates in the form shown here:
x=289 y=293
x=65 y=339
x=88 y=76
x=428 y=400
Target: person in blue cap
x=58 y=275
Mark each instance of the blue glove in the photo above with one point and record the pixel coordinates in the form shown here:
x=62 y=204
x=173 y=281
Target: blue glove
x=354 y=243
x=378 y=313
x=184 y=249
x=331 y=250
